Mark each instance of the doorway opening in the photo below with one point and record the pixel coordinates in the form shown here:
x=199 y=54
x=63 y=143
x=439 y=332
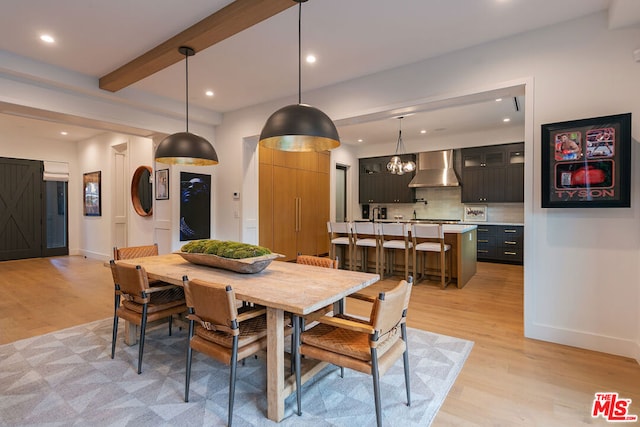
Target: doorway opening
x=341 y=193
x=56 y=229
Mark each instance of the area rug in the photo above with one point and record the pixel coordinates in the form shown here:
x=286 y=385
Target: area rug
x=68 y=378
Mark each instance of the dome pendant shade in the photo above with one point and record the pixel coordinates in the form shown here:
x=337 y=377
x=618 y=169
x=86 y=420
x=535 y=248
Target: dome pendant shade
x=299 y=127
x=186 y=148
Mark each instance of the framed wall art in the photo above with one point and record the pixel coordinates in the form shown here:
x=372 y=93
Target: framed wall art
x=475 y=213
x=587 y=163
x=91 y=185
x=195 y=206
x=162 y=184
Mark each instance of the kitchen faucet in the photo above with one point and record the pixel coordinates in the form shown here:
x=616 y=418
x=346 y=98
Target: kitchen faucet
x=374 y=210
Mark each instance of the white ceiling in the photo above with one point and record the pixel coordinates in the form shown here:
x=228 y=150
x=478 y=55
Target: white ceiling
x=350 y=38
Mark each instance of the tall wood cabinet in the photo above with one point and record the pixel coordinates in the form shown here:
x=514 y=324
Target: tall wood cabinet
x=294 y=202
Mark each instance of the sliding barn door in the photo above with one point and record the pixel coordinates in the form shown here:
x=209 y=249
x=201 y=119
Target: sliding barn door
x=20 y=209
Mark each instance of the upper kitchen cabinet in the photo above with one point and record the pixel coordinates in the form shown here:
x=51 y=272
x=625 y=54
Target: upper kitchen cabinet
x=514 y=189
x=493 y=174
x=378 y=185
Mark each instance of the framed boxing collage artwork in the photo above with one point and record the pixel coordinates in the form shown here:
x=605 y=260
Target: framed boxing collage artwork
x=587 y=163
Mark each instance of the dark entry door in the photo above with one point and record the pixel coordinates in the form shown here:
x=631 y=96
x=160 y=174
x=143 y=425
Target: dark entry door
x=20 y=208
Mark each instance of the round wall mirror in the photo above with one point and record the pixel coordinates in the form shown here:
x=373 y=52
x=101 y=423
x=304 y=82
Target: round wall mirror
x=141 y=191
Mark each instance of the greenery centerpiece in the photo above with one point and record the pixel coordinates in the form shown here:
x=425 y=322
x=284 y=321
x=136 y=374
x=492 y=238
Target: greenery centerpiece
x=229 y=255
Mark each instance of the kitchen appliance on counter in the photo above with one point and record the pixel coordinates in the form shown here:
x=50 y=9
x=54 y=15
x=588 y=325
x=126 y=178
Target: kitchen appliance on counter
x=365 y=211
x=383 y=213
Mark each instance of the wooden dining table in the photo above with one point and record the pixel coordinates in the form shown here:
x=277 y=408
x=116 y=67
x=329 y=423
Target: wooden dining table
x=281 y=287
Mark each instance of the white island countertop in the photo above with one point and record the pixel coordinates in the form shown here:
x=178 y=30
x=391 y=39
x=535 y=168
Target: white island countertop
x=512 y=224
x=458 y=228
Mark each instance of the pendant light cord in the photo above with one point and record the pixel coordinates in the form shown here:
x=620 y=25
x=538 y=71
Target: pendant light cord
x=399 y=144
x=186 y=89
x=299 y=53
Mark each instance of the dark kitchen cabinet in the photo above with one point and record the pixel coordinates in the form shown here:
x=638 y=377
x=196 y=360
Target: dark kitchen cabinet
x=514 y=189
x=501 y=243
x=377 y=185
x=493 y=174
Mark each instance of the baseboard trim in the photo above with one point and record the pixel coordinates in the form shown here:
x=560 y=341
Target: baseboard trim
x=588 y=341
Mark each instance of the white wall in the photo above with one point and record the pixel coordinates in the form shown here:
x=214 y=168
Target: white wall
x=574 y=70
x=97 y=154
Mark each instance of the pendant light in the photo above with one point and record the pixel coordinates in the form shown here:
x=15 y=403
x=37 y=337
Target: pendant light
x=395 y=165
x=299 y=127
x=186 y=148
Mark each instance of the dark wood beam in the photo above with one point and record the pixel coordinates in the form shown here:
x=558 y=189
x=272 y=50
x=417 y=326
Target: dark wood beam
x=230 y=20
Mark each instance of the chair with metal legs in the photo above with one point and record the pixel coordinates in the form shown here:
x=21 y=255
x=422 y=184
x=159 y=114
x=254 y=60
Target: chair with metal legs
x=371 y=347
x=142 y=303
x=219 y=330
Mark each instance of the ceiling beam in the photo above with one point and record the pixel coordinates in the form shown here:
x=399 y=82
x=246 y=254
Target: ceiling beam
x=230 y=20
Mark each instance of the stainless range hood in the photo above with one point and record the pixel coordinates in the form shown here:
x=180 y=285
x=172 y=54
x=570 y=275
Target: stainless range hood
x=435 y=169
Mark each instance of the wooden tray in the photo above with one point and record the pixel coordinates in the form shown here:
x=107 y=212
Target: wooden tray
x=242 y=265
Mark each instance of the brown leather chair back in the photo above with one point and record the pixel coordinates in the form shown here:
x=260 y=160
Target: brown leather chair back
x=135 y=251
x=132 y=280
x=388 y=310
x=214 y=303
x=317 y=261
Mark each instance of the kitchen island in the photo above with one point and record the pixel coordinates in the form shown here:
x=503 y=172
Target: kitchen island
x=464 y=241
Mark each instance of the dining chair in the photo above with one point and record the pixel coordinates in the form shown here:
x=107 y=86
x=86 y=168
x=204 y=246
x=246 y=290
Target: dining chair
x=139 y=303
x=129 y=252
x=319 y=262
x=365 y=237
x=340 y=236
x=394 y=237
x=429 y=238
x=218 y=329
x=370 y=346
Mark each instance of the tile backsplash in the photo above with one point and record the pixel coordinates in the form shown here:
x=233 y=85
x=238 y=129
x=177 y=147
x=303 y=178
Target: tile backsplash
x=444 y=203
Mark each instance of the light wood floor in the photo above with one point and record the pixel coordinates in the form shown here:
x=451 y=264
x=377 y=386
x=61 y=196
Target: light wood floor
x=508 y=380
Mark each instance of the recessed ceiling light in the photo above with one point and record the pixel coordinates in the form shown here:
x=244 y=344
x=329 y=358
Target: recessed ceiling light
x=423 y=131
x=506 y=119
x=64 y=133
x=360 y=140
x=498 y=99
x=47 y=38
x=311 y=59
x=209 y=93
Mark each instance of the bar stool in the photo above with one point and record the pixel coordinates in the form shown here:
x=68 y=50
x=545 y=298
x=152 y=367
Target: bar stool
x=365 y=237
x=340 y=236
x=394 y=236
x=430 y=238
